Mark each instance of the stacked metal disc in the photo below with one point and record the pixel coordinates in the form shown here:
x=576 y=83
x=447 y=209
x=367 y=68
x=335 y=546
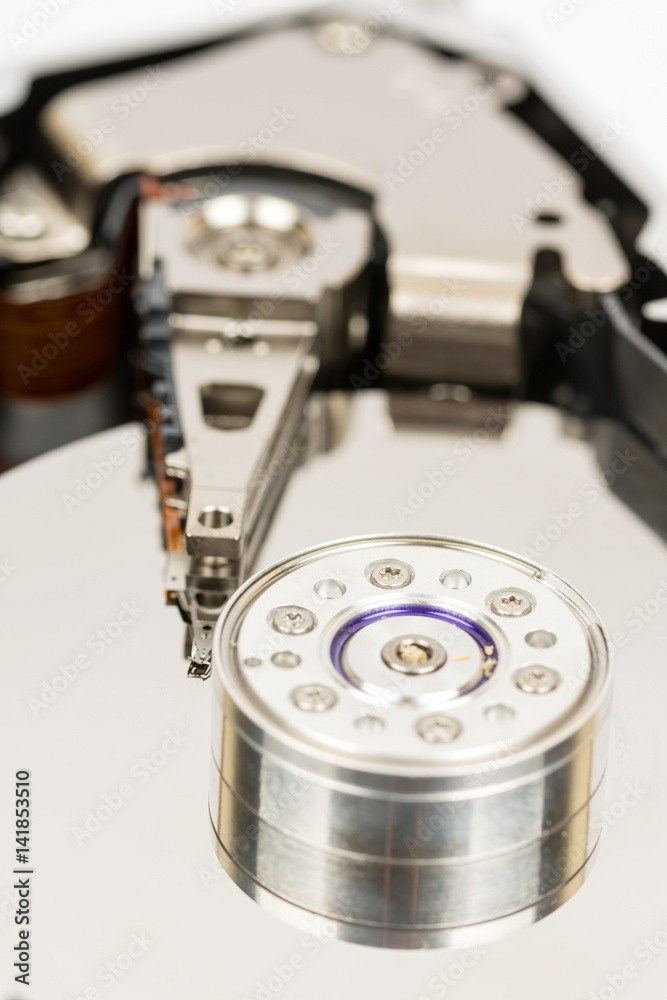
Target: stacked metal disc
x=409 y=740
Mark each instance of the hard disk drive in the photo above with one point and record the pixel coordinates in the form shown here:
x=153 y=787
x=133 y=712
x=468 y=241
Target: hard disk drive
x=335 y=586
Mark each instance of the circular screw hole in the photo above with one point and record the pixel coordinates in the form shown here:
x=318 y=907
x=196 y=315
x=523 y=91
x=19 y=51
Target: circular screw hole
x=540 y=638
x=499 y=713
x=215 y=517
x=455 y=579
x=252 y=661
x=286 y=659
x=329 y=589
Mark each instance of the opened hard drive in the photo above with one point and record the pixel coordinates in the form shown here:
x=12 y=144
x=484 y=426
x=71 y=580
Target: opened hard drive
x=333 y=400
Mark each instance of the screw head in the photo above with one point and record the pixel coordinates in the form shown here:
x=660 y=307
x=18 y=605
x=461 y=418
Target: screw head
x=537 y=680
x=314 y=698
x=390 y=574
x=292 y=620
x=438 y=728
x=414 y=654
x=510 y=602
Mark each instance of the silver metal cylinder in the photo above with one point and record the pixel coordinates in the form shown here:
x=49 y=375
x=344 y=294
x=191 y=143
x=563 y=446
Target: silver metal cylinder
x=409 y=740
